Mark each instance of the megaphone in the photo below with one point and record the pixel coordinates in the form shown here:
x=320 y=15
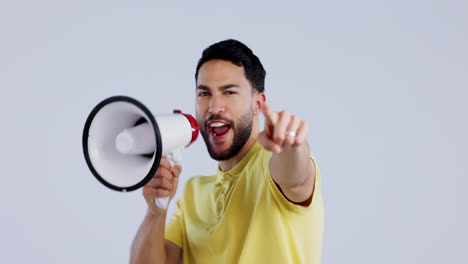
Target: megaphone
x=123 y=142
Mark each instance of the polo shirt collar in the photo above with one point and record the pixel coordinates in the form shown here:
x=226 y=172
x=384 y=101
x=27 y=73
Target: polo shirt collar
x=236 y=171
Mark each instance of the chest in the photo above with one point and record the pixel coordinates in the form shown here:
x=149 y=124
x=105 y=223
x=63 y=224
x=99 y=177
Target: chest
x=229 y=207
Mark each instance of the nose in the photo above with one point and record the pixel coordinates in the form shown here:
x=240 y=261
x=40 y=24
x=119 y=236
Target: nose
x=216 y=105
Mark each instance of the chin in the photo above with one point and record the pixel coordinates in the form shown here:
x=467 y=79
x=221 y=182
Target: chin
x=221 y=153
x=219 y=148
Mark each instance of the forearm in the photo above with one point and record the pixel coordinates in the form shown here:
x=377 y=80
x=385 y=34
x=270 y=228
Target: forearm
x=148 y=245
x=292 y=168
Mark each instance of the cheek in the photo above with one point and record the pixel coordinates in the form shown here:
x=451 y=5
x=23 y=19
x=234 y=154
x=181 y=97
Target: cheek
x=199 y=117
x=199 y=110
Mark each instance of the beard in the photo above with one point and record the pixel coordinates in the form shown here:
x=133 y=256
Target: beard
x=242 y=131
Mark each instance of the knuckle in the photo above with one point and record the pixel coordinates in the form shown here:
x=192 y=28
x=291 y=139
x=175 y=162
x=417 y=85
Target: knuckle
x=278 y=138
x=151 y=183
x=159 y=171
x=148 y=193
x=176 y=171
x=284 y=114
x=165 y=162
x=165 y=172
x=165 y=183
x=160 y=182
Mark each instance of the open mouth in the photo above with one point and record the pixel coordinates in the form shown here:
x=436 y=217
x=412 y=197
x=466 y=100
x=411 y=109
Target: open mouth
x=218 y=129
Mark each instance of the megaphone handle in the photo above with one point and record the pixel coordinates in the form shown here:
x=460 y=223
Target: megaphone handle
x=162 y=202
x=174 y=158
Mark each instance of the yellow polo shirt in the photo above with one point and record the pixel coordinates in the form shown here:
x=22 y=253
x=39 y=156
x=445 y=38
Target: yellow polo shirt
x=240 y=216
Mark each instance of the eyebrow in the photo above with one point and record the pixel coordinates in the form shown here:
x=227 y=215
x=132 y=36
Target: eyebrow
x=224 y=87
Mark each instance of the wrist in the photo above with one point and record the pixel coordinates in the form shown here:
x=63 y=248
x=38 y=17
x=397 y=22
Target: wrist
x=154 y=214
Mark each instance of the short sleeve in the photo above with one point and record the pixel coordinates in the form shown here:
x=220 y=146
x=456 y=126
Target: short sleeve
x=174 y=231
x=284 y=203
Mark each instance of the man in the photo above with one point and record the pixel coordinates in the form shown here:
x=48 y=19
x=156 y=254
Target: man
x=264 y=204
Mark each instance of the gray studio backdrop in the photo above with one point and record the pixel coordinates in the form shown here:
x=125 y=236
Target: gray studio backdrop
x=383 y=85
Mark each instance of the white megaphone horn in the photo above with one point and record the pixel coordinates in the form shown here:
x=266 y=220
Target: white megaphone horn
x=123 y=142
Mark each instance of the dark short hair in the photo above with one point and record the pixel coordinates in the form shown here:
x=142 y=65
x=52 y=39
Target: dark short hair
x=239 y=54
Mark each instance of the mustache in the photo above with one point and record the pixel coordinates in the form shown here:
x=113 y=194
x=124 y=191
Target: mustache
x=218 y=117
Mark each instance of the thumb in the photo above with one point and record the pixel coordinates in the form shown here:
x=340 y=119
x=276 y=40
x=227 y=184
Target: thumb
x=267 y=143
x=177 y=169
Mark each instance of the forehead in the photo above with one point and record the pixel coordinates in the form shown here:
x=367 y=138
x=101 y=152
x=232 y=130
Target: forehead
x=215 y=73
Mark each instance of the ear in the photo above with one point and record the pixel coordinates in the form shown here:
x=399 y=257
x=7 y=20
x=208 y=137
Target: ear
x=260 y=99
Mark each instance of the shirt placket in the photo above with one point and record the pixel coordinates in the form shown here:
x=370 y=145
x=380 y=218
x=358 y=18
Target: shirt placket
x=221 y=202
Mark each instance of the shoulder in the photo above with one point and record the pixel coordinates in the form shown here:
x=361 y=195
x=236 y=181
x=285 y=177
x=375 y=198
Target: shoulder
x=196 y=194
x=197 y=184
x=201 y=180
x=260 y=160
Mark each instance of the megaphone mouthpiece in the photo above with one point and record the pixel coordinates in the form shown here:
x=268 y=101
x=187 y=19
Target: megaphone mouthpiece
x=136 y=140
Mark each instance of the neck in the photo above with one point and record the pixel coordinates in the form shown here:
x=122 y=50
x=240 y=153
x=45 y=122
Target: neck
x=226 y=165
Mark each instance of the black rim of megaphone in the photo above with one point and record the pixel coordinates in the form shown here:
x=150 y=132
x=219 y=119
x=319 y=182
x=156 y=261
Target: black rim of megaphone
x=157 y=154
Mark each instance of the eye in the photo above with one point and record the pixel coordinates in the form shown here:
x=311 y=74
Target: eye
x=229 y=92
x=202 y=94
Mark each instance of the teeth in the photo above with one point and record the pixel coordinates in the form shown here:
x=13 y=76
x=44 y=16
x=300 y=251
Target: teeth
x=217 y=124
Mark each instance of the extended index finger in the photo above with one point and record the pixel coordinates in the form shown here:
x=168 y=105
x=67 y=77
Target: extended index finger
x=270 y=115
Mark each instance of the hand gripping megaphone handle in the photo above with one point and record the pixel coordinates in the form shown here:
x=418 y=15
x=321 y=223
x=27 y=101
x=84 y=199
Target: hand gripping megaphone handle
x=174 y=158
